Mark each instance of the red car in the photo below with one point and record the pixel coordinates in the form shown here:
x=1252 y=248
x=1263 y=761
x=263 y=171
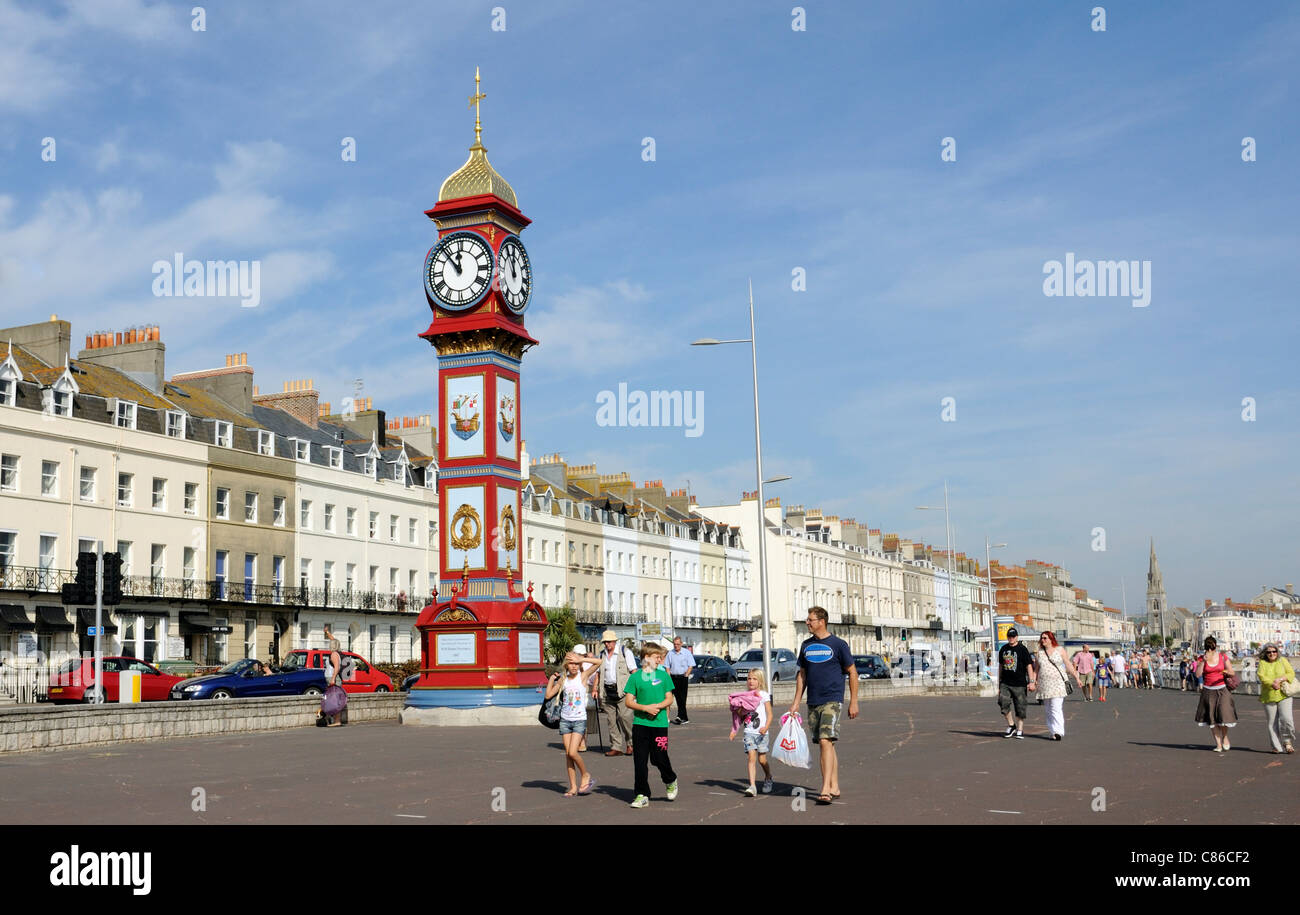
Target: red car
x=364 y=679
x=73 y=680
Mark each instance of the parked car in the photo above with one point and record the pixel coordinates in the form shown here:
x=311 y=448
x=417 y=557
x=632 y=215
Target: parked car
x=364 y=679
x=710 y=669
x=241 y=680
x=871 y=667
x=784 y=663
x=73 y=680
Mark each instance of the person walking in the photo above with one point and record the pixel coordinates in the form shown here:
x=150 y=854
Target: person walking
x=649 y=694
x=1275 y=670
x=617 y=664
x=1103 y=677
x=1119 y=667
x=579 y=672
x=753 y=724
x=1016 y=674
x=1182 y=675
x=680 y=664
x=824 y=659
x=1216 y=707
x=1051 y=665
x=1085 y=664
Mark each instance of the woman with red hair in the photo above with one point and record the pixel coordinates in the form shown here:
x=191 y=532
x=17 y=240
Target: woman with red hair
x=1051 y=663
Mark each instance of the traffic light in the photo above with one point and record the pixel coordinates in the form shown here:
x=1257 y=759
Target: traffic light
x=903 y=634
x=112 y=579
x=82 y=591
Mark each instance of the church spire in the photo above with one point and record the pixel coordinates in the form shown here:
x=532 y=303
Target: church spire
x=1153 y=570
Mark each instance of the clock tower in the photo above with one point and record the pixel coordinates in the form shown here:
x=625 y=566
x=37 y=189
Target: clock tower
x=480 y=636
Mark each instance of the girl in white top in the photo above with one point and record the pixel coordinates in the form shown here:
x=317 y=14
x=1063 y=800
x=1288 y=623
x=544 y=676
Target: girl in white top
x=579 y=673
x=755 y=733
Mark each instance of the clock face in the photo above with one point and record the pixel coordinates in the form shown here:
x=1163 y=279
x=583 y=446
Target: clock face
x=516 y=274
x=458 y=271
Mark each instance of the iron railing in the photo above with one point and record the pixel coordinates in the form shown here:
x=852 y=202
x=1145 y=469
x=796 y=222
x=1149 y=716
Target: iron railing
x=35 y=580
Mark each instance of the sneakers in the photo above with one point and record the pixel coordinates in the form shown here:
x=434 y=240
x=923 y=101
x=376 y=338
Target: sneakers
x=1056 y=736
x=1019 y=735
x=751 y=791
x=677 y=721
x=1011 y=731
x=767 y=785
x=641 y=801
x=672 y=791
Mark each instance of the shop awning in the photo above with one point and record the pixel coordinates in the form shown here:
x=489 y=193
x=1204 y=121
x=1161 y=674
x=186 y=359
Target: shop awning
x=53 y=619
x=198 y=624
x=86 y=619
x=15 y=617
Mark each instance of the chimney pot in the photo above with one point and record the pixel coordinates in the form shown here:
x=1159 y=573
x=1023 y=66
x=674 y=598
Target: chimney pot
x=119 y=338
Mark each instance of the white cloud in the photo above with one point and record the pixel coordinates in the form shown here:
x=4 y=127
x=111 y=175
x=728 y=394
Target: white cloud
x=250 y=165
x=591 y=329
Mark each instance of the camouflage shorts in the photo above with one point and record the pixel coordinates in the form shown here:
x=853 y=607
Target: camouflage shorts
x=824 y=721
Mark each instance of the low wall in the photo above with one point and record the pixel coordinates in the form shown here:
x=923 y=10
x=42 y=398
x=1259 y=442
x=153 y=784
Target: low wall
x=42 y=727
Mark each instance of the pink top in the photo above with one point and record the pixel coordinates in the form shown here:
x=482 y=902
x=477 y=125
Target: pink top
x=1214 y=675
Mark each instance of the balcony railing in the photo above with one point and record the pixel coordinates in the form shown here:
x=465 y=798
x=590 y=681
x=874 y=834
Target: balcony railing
x=150 y=587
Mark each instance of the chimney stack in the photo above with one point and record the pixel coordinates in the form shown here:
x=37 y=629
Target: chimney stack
x=137 y=352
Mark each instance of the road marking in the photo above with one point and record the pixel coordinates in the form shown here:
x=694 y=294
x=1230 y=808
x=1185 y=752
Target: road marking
x=979 y=773
x=1005 y=811
x=719 y=793
x=412 y=816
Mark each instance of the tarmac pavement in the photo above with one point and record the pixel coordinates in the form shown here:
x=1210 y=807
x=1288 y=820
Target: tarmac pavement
x=917 y=760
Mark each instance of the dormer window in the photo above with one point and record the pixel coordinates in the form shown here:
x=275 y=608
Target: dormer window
x=266 y=443
x=302 y=450
x=175 y=424
x=125 y=417
x=9 y=378
x=336 y=457
x=225 y=434
x=430 y=478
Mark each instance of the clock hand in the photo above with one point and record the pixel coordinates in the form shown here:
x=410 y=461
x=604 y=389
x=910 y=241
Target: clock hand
x=454 y=260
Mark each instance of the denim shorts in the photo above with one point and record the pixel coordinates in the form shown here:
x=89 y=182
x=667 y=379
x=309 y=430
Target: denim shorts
x=573 y=727
x=755 y=742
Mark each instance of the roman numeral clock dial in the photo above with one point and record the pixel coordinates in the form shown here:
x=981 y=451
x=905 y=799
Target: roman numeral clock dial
x=458 y=272
x=516 y=274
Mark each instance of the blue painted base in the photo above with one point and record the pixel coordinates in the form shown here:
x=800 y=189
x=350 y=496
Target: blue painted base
x=473 y=698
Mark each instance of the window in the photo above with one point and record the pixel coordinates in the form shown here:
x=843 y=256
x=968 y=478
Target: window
x=250 y=507
x=392 y=528
x=50 y=479
x=374 y=525
x=8 y=547
x=329 y=517
x=191 y=498
x=336 y=458
x=410 y=531
x=302 y=450
x=250 y=637
x=175 y=424
x=266 y=443
x=125 y=417
x=225 y=434
x=304 y=572
x=399 y=472
x=277 y=577
x=223 y=503
x=9 y=472
x=368 y=465
x=277 y=511
x=410 y=586
x=8 y=390
x=159 y=494
x=125 y=483
x=530 y=547
x=157 y=562
x=124 y=550
x=352 y=576
x=304 y=515
x=87 y=484
x=430 y=478
x=352 y=522
x=48 y=558
x=433 y=533
x=374 y=578
x=188 y=571
x=329 y=573
x=392 y=581
x=222 y=558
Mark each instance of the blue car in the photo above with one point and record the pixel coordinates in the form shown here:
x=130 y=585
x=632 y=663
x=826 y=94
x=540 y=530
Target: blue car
x=249 y=678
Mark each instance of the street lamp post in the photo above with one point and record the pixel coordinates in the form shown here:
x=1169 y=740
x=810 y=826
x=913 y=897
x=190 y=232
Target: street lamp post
x=993 y=599
x=758 y=464
x=952 y=596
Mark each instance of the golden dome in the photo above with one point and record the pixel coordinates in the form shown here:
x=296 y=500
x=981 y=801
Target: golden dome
x=477 y=176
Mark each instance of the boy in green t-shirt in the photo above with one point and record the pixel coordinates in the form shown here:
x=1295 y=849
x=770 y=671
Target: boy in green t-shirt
x=649 y=693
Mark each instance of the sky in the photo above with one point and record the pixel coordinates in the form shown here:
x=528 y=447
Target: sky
x=779 y=153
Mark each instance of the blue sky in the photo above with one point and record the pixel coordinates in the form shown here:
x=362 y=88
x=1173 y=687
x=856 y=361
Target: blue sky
x=775 y=149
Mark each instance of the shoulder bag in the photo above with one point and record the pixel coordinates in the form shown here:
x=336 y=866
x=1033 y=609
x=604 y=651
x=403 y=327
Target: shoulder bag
x=1069 y=688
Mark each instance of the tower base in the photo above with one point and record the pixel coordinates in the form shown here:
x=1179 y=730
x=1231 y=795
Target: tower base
x=483 y=716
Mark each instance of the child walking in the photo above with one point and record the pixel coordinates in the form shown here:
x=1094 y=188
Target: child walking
x=575 y=683
x=649 y=693
x=1103 y=678
x=754 y=724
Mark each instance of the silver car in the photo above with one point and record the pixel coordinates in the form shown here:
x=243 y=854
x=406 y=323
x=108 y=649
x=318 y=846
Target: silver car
x=784 y=663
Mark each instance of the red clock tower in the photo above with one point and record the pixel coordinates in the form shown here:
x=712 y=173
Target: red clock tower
x=481 y=638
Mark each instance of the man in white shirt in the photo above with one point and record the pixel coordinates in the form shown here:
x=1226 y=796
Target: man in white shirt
x=680 y=664
x=617 y=664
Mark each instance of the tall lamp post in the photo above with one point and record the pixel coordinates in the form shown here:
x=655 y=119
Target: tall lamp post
x=952 y=596
x=993 y=598
x=758 y=464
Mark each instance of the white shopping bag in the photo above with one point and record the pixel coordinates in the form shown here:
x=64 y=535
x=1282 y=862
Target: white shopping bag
x=792 y=744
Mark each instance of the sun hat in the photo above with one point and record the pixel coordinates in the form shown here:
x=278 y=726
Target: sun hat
x=579 y=649
x=609 y=635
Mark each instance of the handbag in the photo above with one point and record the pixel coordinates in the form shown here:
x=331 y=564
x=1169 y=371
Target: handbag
x=1229 y=680
x=549 y=713
x=1290 y=688
x=1069 y=690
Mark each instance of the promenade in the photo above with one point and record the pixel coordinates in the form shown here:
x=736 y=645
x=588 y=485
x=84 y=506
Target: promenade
x=914 y=760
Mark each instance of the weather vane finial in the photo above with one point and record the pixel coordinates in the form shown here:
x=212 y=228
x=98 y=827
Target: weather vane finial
x=473 y=103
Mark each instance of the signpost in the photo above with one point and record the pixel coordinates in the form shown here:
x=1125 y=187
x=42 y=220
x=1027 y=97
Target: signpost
x=100 y=695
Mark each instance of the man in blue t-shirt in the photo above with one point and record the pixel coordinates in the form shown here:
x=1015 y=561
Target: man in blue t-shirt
x=824 y=659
